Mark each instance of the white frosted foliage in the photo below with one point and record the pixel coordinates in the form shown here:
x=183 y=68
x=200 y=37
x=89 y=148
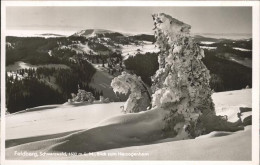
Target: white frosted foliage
x=139 y=98
x=181 y=84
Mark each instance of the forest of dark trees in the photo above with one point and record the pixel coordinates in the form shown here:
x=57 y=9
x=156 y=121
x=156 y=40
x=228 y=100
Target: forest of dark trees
x=143 y=65
x=33 y=90
x=143 y=37
x=34 y=50
x=225 y=75
x=29 y=92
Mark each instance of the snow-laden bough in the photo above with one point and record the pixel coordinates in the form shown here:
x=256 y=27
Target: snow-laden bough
x=139 y=98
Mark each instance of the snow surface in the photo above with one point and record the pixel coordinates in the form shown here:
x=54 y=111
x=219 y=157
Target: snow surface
x=132 y=49
x=106 y=129
x=101 y=80
x=232 y=36
x=242 y=49
x=91 y=32
x=22 y=65
x=63 y=118
x=227 y=103
x=207 y=42
x=233 y=98
x=85 y=48
x=208 y=47
x=246 y=61
x=233 y=146
x=50 y=53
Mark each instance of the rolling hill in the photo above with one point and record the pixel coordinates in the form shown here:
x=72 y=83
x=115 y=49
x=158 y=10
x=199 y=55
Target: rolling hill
x=110 y=52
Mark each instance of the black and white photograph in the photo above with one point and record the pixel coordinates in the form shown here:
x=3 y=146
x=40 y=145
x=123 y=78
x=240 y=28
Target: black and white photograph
x=128 y=82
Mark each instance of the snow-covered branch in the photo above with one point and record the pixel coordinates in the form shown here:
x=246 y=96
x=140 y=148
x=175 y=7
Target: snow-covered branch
x=139 y=98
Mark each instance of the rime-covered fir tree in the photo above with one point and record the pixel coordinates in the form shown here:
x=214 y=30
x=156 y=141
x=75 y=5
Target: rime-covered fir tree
x=82 y=96
x=181 y=84
x=139 y=98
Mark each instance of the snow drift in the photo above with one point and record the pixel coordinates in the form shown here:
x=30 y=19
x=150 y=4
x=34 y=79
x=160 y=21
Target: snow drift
x=142 y=130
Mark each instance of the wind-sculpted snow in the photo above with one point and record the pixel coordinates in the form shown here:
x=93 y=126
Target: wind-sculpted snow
x=115 y=132
x=143 y=129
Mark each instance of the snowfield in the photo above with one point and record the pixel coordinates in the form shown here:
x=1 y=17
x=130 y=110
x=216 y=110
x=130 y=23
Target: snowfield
x=22 y=65
x=243 y=50
x=246 y=62
x=207 y=42
x=48 y=120
x=91 y=32
x=236 y=146
x=208 y=47
x=228 y=103
x=102 y=80
x=103 y=128
x=132 y=50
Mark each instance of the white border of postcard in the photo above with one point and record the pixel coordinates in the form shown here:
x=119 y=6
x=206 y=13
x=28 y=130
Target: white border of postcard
x=255 y=90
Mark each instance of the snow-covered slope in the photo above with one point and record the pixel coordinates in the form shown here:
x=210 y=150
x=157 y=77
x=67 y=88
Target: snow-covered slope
x=228 y=103
x=91 y=32
x=105 y=127
x=22 y=65
x=144 y=47
x=58 y=119
x=236 y=146
x=101 y=80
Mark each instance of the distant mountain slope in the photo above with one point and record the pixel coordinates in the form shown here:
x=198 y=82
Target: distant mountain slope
x=93 y=32
x=229 y=61
x=48 y=35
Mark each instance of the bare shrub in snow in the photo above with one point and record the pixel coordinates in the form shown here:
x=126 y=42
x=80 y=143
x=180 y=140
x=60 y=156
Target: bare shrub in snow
x=139 y=98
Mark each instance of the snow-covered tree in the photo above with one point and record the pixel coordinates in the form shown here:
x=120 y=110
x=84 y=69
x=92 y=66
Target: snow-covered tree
x=139 y=98
x=82 y=96
x=181 y=84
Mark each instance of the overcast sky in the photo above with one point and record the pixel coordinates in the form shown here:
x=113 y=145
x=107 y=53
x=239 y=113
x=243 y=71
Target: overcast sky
x=128 y=19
